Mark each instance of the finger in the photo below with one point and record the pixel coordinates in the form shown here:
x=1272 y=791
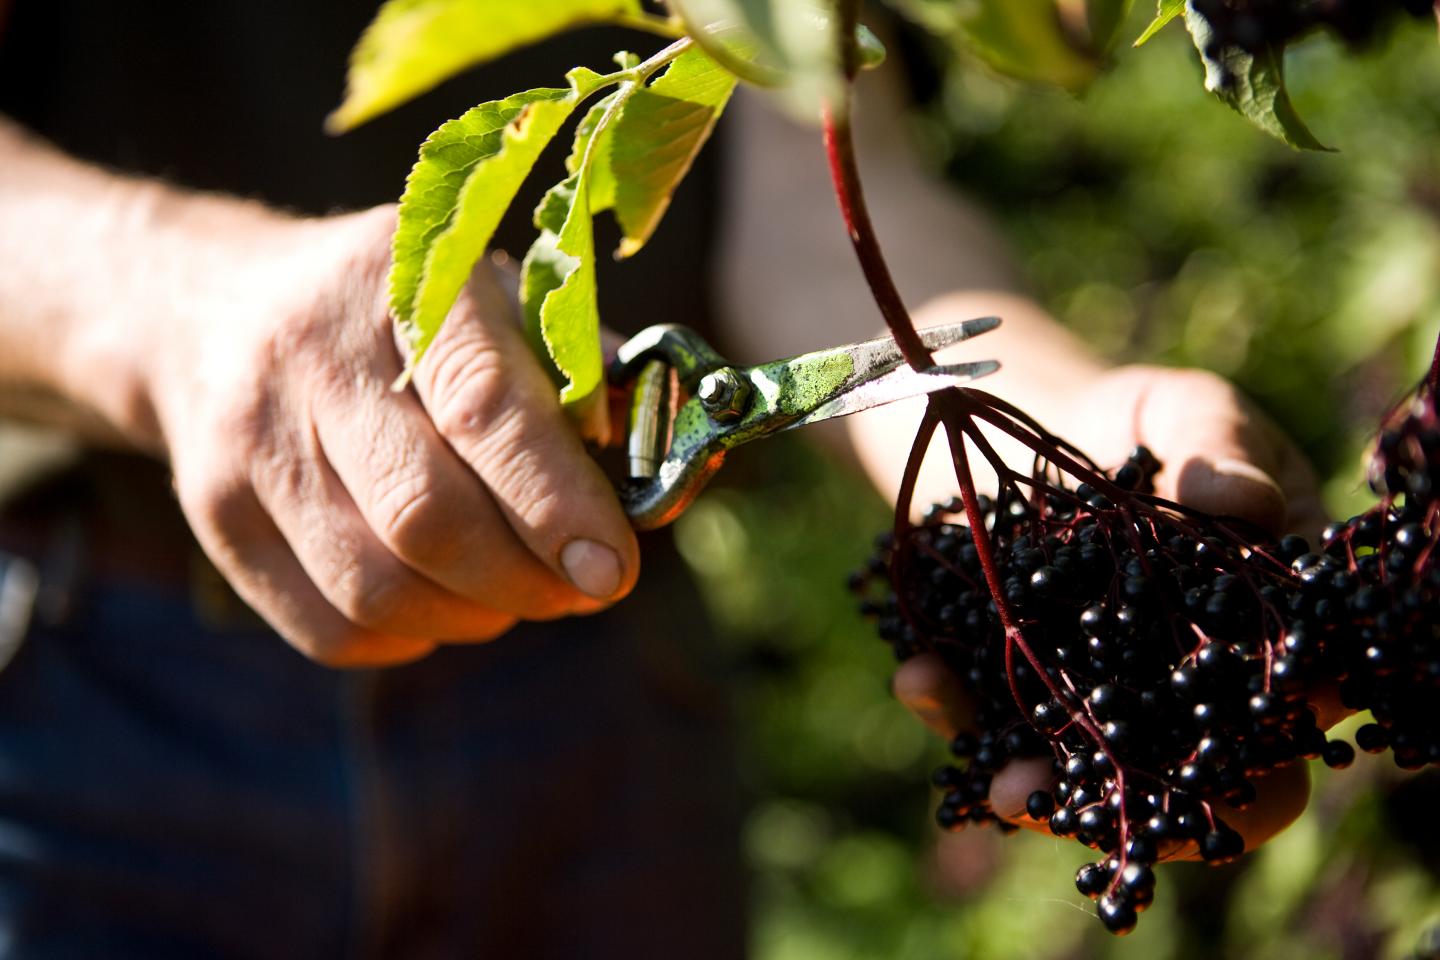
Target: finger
x=491 y=402
x=424 y=504
x=1219 y=455
x=1280 y=797
x=342 y=557
x=931 y=691
x=1012 y=785
x=1226 y=458
x=265 y=574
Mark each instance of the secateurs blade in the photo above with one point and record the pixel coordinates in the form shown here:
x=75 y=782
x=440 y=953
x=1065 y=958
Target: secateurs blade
x=674 y=448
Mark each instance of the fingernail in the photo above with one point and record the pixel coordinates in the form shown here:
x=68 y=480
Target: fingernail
x=1243 y=490
x=1242 y=470
x=593 y=567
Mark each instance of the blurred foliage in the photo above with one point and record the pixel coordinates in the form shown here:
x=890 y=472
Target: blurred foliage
x=1162 y=227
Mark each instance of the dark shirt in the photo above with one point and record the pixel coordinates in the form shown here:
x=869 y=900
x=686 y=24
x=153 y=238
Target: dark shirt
x=174 y=786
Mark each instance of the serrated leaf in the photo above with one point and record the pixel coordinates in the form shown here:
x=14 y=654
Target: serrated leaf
x=468 y=172
x=412 y=45
x=1165 y=11
x=602 y=184
x=1252 y=84
x=653 y=141
x=631 y=150
x=558 y=296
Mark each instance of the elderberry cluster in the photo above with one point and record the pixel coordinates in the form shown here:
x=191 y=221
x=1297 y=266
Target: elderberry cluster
x=1388 y=645
x=1257 y=25
x=1161 y=659
x=1145 y=680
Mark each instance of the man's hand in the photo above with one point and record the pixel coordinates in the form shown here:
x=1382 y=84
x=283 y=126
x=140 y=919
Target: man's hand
x=368 y=525
x=255 y=352
x=1220 y=455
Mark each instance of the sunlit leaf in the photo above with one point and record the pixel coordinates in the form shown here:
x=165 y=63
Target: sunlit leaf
x=1166 y=10
x=412 y=45
x=631 y=150
x=789 y=45
x=767 y=39
x=654 y=140
x=602 y=184
x=1252 y=84
x=558 y=296
x=468 y=172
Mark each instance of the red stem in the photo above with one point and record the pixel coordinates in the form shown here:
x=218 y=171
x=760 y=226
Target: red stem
x=1432 y=381
x=845 y=173
x=952 y=407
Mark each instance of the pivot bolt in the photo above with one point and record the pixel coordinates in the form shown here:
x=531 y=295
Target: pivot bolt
x=724 y=394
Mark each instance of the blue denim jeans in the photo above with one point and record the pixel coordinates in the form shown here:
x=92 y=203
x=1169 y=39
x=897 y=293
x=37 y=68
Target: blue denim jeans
x=170 y=788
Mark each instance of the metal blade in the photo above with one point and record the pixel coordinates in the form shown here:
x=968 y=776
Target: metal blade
x=900 y=384
x=874 y=357
x=947 y=335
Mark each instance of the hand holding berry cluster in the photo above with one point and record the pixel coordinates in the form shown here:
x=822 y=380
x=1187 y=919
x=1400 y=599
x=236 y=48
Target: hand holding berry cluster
x=1166 y=667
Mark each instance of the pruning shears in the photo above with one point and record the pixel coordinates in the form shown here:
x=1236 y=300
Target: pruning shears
x=674 y=448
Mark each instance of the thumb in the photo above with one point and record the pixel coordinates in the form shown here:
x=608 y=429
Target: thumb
x=1219 y=455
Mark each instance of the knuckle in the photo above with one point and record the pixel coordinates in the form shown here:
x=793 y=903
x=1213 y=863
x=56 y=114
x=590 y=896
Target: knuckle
x=469 y=391
x=246 y=414
x=538 y=504
x=284 y=477
x=411 y=521
x=222 y=506
x=528 y=469
x=373 y=599
x=294 y=334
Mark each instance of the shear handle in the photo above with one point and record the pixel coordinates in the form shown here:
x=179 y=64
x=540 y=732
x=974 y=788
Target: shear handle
x=683 y=349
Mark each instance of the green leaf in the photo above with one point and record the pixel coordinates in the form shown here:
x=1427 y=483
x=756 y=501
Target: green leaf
x=653 y=141
x=558 y=295
x=468 y=172
x=770 y=37
x=1166 y=10
x=1025 y=39
x=631 y=150
x=1104 y=19
x=789 y=45
x=602 y=184
x=412 y=45
x=871 y=50
x=1252 y=84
